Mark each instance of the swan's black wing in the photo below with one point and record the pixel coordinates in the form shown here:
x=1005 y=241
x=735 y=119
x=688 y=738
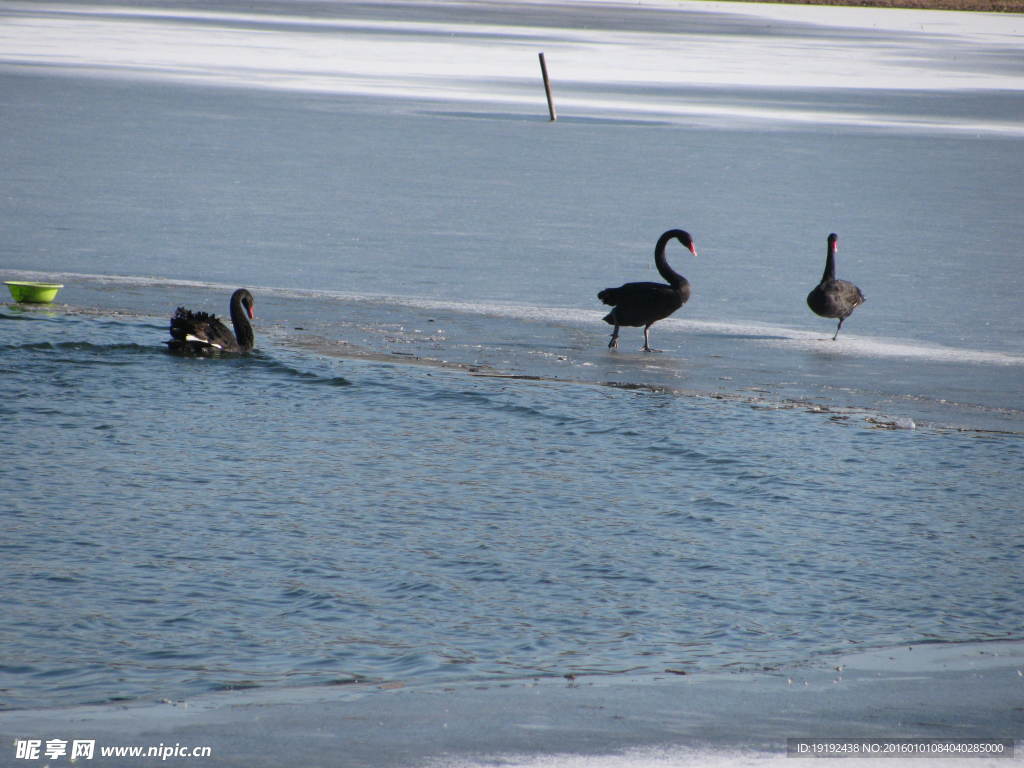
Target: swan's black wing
x=835 y=298
x=850 y=295
x=199 y=333
x=643 y=303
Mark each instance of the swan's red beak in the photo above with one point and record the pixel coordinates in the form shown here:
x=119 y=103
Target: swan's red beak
x=252 y=315
x=693 y=249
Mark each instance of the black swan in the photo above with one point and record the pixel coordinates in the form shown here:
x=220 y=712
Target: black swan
x=644 y=304
x=200 y=333
x=831 y=297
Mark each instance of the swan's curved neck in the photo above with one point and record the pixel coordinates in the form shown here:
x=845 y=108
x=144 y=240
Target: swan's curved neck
x=240 y=320
x=670 y=275
x=830 y=263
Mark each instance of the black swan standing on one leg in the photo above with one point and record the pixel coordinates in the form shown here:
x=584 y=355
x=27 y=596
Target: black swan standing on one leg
x=831 y=297
x=637 y=304
x=200 y=333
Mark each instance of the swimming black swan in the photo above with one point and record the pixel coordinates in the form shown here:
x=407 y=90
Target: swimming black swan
x=834 y=298
x=644 y=304
x=199 y=333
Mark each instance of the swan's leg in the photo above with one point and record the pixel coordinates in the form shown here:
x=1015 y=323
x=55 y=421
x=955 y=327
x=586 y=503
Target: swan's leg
x=647 y=345
x=839 y=327
x=614 y=343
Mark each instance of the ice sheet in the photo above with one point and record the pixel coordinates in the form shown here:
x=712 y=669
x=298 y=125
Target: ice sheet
x=646 y=71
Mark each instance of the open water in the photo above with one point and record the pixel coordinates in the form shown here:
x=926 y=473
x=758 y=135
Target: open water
x=432 y=468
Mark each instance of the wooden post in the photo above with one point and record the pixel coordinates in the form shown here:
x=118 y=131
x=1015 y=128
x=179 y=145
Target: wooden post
x=547 y=88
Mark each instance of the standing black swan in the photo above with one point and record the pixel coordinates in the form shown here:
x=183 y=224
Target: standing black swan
x=831 y=297
x=644 y=304
x=200 y=333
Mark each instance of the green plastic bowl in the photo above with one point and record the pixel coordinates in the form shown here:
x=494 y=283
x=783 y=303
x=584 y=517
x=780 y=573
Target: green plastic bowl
x=33 y=293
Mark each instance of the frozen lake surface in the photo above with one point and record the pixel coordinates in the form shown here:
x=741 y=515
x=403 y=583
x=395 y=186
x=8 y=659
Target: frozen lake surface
x=424 y=180
x=433 y=469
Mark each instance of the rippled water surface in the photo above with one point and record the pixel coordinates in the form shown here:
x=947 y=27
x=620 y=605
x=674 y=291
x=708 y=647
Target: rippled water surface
x=177 y=526
x=432 y=467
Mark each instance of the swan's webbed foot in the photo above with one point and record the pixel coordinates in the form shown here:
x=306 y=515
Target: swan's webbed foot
x=613 y=343
x=647 y=343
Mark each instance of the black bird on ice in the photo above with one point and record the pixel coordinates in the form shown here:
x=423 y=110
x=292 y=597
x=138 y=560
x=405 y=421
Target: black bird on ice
x=831 y=297
x=637 y=304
